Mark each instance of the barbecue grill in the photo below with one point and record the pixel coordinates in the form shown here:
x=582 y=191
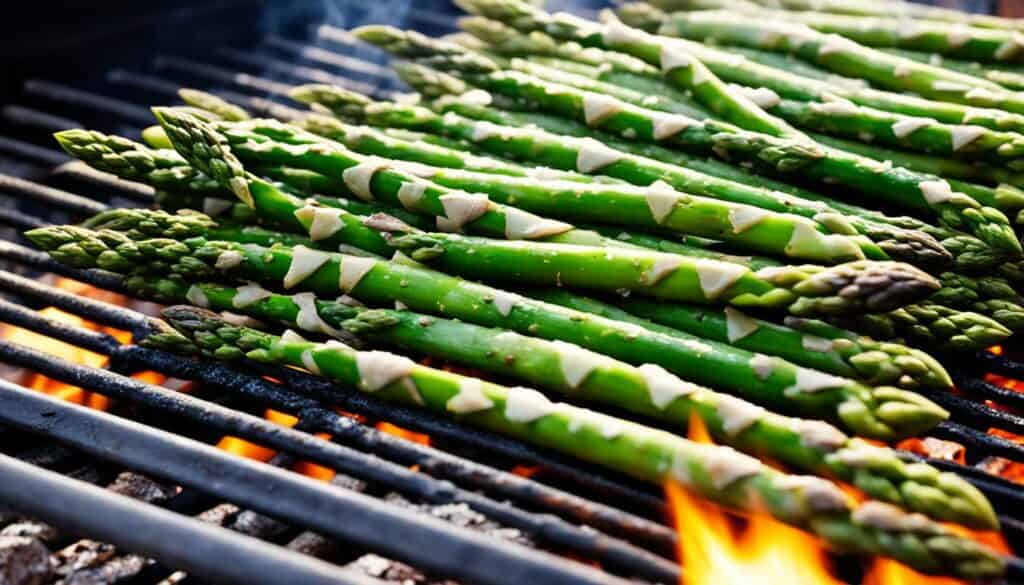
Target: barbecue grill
x=139 y=494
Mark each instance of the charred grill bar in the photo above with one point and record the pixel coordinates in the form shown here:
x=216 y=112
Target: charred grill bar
x=616 y=523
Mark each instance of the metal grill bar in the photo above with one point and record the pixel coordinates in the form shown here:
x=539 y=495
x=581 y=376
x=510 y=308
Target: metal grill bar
x=299 y=72
x=349 y=516
x=225 y=556
x=982 y=389
x=31 y=152
x=331 y=58
x=50 y=196
x=549 y=528
x=61 y=93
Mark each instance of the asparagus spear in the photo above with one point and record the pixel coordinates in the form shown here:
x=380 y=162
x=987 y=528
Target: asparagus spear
x=914 y=190
x=843 y=119
x=824 y=164
x=881 y=412
x=806 y=290
x=930 y=325
x=566 y=152
x=959 y=41
x=1009 y=76
x=845 y=57
x=718 y=473
x=744 y=71
x=695 y=78
x=369 y=179
x=899 y=9
x=537 y=361
x=658 y=206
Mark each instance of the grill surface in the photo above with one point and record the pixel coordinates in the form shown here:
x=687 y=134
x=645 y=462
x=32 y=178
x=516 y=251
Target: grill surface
x=199 y=514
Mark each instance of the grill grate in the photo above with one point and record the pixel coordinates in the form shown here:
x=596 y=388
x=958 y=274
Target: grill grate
x=615 y=523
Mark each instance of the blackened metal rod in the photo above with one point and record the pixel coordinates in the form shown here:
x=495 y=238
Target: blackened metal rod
x=97 y=311
x=48 y=195
x=221 y=75
x=977 y=414
x=978 y=387
x=28 y=117
x=142 y=81
x=612 y=552
x=298 y=72
x=22 y=221
x=1003 y=365
x=325 y=57
x=65 y=94
x=31 y=152
x=77 y=170
x=223 y=556
x=350 y=516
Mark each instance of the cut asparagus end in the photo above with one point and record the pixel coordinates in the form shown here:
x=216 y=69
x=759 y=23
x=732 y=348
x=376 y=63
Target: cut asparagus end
x=204 y=148
x=139 y=224
x=207 y=101
x=892 y=414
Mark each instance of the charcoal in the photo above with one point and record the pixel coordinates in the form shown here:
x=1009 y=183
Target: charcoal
x=24 y=561
x=115 y=570
x=384 y=569
x=142 y=488
x=464 y=516
x=82 y=555
x=257 y=525
x=31 y=529
x=219 y=515
x=314 y=545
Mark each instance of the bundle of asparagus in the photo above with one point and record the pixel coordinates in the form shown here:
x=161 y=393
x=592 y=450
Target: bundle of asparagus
x=730 y=206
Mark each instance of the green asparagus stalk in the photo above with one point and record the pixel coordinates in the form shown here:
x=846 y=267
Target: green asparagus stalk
x=718 y=473
x=881 y=412
x=989 y=295
x=847 y=354
x=860 y=360
x=823 y=164
x=370 y=179
x=675 y=277
x=705 y=87
x=1009 y=76
x=845 y=57
x=902 y=237
x=930 y=325
x=566 y=152
x=958 y=41
x=130 y=160
x=535 y=361
x=913 y=190
x=658 y=207
x=843 y=119
x=744 y=71
x=899 y=9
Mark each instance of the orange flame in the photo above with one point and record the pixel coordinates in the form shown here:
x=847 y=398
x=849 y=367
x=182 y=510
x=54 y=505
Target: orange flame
x=402 y=433
x=713 y=552
x=714 y=549
x=244 y=448
x=70 y=352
